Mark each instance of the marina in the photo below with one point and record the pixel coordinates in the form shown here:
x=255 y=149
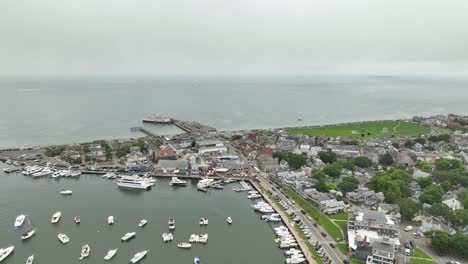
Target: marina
x=128 y=207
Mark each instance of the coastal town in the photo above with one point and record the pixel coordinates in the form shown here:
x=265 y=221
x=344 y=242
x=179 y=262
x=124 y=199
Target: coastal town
x=381 y=192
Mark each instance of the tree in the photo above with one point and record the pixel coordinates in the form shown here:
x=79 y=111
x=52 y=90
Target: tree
x=333 y=170
x=409 y=143
x=421 y=141
x=296 y=161
x=432 y=194
x=448 y=164
x=423 y=165
x=440 y=241
x=327 y=156
x=348 y=184
x=459 y=217
x=439 y=138
x=362 y=162
x=439 y=209
x=321 y=186
x=408 y=208
x=446 y=186
x=386 y=159
x=319 y=175
x=423 y=182
x=394 y=184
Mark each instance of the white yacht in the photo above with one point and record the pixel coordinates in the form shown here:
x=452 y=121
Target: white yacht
x=66 y=192
x=110 y=220
x=65 y=173
x=63 y=238
x=75 y=173
x=56 y=174
x=30 y=260
x=134 y=183
x=7 y=170
x=44 y=172
x=56 y=217
x=138 y=256
x=176 y=181
x=128 y=236
x=31 y=170
x=254 y=196
x=184 y=245
x=143 y=223
x=19 y=221
x=204 y=221
x=171 y=224
x=85 y=249
x=108 y=175
x=110 y=254
x=229 y=220
x=167 y=237
x=5 y=252
x=28 y=234
x=204 y=183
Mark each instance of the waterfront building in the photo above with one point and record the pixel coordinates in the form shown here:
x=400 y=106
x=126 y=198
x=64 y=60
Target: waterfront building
x=164 y=153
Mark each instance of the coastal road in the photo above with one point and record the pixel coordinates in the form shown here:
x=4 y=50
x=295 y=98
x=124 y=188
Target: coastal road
x=333 y=253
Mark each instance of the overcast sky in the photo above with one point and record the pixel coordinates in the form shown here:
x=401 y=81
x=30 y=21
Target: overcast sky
x=212 y=37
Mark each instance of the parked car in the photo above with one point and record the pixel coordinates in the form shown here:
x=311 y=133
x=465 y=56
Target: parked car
x=408 y=228
x=323 y=234
x=315 y=224
x=412 y=243
x=407 y=245
x=332 y=245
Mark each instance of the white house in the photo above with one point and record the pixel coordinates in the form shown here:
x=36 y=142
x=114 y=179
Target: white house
x=453 y=203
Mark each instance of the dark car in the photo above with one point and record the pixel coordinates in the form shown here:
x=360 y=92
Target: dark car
x=303 y=211
x=407 y=245
x=323 y=234
x=315 y=224
x=346 y=261
x=332 y=245
x=412 y=243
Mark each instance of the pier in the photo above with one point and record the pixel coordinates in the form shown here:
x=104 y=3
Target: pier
x=143 y=130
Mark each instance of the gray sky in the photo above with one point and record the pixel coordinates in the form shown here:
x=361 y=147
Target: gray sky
x=185 y=37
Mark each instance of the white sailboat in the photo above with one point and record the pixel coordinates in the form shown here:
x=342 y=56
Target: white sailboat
x=30 y=232
x=5 y=252
x=30 y=260
x=56 y=217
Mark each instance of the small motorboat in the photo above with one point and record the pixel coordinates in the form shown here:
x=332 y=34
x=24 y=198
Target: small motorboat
x=128 y=236
x=30 y=260
x=63 y=238
x=184 y=245
x=56 y=217
x=85 y=249
x=5 y=252
x=66 y=192
x=167 y=237
x=204 y=221
x=77 y=219
x=171 y=224
x=229 y=220
x=138 y=256
x=28 y=234
x=19 y=221
x=110 y=220
x=110 y=254
x=196 y=260
x=143 y=223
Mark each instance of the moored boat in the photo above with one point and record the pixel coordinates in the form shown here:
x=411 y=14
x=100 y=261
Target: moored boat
x=5 y=252
x=28 y=234
x=110 y=254
x=85 y=250
x=63 y=238
x=77 y=219
x=196 y=260
x=110 y=220
x=30 y=260
x=19 y=221
x=138 y=256
x=66 y=192
x=56 y=217
x=229 y=220
x=176 y=181
x=171 y=224
x=143 y=223
x=184 y=245
x=128 y=236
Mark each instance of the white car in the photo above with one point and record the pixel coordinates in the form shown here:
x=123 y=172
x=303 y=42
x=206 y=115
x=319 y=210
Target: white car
x=408 y=228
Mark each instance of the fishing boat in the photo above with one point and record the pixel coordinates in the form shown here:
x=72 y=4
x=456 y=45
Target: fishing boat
x=110 y=220
x=229 y=220
x=56 y=217
x=143 y=223
x=30 y=260
x=19 y=221
x=5 y=252
x=85 y=249
x=196 y=260
x=110 y=254
x=184 y=245
x=77 y=219
x=63 y=238
x=138 y=256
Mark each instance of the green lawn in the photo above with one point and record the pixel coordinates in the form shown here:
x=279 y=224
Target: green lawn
x=344 y=227
x=343 y=248
x=422 y=261
x=369 y=130
x=339 y=216
x=330 y=227
x=418 y=253
x=355 y=261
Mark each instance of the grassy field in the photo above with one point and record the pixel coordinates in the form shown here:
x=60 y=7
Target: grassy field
x=333 y=230
x=355 y=261
x=418 y=253
x=422 y=261
x=339 y=216
x=376 y=129
x=344 y=227
x=343 y=248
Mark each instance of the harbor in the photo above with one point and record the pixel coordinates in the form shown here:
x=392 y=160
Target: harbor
x=185 y=204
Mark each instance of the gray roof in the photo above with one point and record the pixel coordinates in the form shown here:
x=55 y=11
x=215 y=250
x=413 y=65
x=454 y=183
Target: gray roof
x=382 y=245
x=374 y=215
x=180 y=164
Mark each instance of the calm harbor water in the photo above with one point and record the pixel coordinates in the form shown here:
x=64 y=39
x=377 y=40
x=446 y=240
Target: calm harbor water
x=247 y=240
x=54 y=111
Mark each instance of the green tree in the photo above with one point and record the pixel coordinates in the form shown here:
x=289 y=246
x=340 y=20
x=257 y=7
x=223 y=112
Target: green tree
x=446 y=186
x=439 y=209
x=386 y=159
x=333 y=170
x=394 y=184
x=425 y=166
x=448 y=164
x=423 y=182
x=440 y=241
x=319 y=175
x=321 y=186
x=439 y=138
x=432 y=194
x=348 y=184
x=362 y=162
x=408 y=208
x=327 y=156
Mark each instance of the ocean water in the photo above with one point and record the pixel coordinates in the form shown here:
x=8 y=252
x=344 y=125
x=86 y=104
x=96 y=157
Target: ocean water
x=55 y=111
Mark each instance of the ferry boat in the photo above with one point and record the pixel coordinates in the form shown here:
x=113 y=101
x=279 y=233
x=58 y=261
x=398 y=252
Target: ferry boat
x=133 y=182
x=157 y=119
x=110 y=254
x=5 y=252
x=204 y=183
x=138 y=256
x=177 y=181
